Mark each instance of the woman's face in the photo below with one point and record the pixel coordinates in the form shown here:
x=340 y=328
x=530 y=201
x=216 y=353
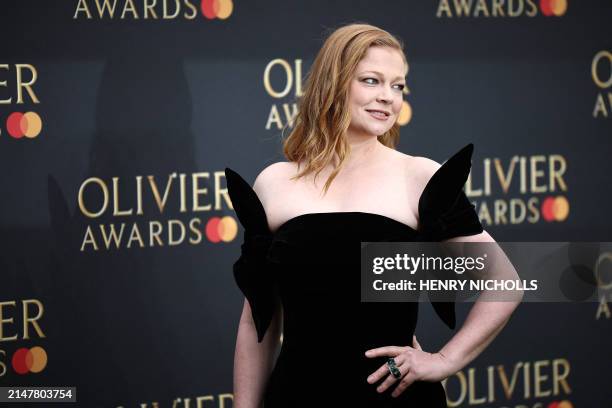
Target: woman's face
x=375 y=95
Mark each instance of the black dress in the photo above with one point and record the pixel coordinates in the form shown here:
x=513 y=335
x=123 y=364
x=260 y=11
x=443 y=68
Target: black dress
x=311 y=265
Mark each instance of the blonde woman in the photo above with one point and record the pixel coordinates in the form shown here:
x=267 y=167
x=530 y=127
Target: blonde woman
x=344 y=183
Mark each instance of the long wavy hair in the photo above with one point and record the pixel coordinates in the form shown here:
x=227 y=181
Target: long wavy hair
x=319 y=135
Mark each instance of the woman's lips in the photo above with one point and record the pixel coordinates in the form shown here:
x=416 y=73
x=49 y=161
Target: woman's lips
x=376 y=114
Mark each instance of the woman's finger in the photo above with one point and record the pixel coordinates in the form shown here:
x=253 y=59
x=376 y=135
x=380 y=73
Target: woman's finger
x=390 y=380
x=390 y=351
x=404 y=383
x=415 y=343
x=383 y=370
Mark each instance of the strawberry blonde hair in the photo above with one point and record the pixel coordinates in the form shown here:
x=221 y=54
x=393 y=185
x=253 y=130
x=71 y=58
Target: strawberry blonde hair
x=323 y=117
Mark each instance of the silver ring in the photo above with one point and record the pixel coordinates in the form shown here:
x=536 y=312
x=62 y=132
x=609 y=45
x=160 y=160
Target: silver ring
x=393 y=368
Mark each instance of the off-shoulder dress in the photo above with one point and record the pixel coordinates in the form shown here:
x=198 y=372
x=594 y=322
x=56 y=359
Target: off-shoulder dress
x=311 y=266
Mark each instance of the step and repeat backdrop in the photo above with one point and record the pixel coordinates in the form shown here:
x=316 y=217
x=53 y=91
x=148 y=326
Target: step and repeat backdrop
x=118 y=117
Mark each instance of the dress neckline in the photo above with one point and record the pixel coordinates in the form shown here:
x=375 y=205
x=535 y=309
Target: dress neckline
x=304 y=216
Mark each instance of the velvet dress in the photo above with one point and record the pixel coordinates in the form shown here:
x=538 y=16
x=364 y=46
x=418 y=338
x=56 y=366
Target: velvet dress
x=311 y=266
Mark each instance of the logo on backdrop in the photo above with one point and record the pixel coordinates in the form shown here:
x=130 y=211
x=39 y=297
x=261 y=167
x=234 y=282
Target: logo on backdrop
x=500 y=9
x=601 y=73
x=19 y=326
x=523 y=189
x=153 y=10
x=282 y=81
x=17 y=88
x=534 y=384
x=146 y=211
x=224 y=400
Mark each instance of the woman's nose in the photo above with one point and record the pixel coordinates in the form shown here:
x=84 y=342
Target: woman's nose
x=385 y=95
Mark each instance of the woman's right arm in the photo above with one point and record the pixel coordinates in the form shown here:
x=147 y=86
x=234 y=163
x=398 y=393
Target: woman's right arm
x=253 y=361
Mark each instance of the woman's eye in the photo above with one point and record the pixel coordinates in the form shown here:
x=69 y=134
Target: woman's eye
x=400 y=87
x=374 y=81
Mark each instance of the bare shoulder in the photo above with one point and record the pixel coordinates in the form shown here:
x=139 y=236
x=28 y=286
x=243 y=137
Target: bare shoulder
x=418 y=170
x=271 y=178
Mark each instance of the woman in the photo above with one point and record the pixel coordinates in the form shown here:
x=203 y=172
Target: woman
x=344 y=183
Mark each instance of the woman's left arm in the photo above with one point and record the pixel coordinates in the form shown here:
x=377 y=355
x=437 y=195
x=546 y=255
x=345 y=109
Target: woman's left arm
x=486 y=318
x=483 y=323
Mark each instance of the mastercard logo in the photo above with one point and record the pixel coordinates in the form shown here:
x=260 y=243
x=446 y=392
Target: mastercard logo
x=553 y=7
x=555 y=208
x=32 y=360
x=560 y=404
x=26 y=124
x=221 y=229
x=220 y=9
x=405 y=114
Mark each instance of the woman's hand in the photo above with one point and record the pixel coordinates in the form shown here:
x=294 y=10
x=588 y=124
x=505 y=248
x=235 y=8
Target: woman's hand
x=414 y=364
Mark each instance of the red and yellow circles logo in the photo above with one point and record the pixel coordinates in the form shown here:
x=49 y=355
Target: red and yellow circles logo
x=220 y=9
x=560 y=404
x=405 y=114
x=26 y=124
x=553 y=7
x=221 y=229
x=555 y=209
x=32 y=360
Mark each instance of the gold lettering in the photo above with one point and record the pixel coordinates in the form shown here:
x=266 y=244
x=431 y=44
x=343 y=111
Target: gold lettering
x=81 y=6
x=532 y=205
x=596 y=59
x=498 y=10
x=481 y=6
x=473 y=400
x=171 y=240
x=102 y=185
x=200 y=400
x=129 y=6
x=155 y=228
x=274 y=117
x=288 y=75
x=106 y=6
x=116 y=211
x=26 y=85
x=500 y=212
x=290 y=115
x=195 y=230
x=112 y=235
x=533 y=9
x=3 y=83
x=557 y=174
x=536 y=173
x=505 y=179
x=161 y=203
x=195 y=177
x=4 y=320
x=139 y=195
x=182 y=190
x=600 y=106
x=32 y=320
x=89 y=239
x=194 y=11
x=463 y=8
x=603 y=309
x=148 y=8
x=177 y=10
x=444 y=7
x=135 y=236
x=560 y=377
x=515 y=12
x=539 y=378
x=223 y=397
x=508 y=386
